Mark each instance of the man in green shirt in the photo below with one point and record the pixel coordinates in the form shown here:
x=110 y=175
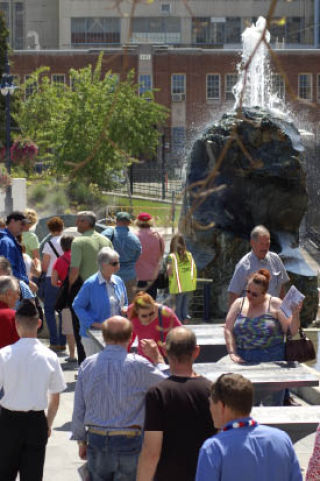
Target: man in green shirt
x=84 y=252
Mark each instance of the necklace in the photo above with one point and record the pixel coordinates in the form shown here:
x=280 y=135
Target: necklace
x=239 y=424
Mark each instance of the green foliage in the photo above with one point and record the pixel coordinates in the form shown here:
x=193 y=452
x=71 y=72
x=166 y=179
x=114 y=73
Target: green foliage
x=93 y=129
x=38 y=193
x=81 y=193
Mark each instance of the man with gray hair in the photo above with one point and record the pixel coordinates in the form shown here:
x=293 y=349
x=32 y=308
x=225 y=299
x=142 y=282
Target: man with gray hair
x=84 y=251
x=259 y=257
x=101 y=296
x=9 y=294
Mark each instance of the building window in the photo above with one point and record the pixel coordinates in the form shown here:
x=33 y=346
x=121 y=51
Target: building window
x=4 y=7
x=294 y=29
x=305 y=86
x=58 y=78
x=18 y=25
x=231 y=80
x=93 y=30
x=178 y=83
x=144 y=83
x=178 y=143
x=277 y=29
x=278 y=85
x=156 y=30
x=208 y=30
x=233 y=30
x=213 y=86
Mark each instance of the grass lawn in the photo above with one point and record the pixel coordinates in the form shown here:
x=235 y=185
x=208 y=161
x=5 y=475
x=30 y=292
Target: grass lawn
x=160 y=211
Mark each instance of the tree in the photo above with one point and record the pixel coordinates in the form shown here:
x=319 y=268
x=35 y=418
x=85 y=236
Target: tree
x=94 y=128
x=3 y=53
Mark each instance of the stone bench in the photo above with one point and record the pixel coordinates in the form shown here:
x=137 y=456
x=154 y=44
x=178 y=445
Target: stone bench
x=297 y=421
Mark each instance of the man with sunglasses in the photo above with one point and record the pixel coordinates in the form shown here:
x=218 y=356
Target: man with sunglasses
x=259 y=257
x=101 y=296
x=243 y=450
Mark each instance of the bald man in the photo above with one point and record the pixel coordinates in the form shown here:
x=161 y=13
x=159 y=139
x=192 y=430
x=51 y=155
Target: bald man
x=108 y=412
x=178 y=417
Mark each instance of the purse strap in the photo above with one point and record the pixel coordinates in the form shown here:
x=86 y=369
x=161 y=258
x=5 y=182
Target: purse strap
x=53 y=249
x=160 y=319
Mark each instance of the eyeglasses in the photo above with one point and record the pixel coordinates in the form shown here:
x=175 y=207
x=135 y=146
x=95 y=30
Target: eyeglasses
x=144 y=316
x=253 y=294
x=115 y=263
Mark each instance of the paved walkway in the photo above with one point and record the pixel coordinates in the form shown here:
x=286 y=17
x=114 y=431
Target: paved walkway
x=62 y=459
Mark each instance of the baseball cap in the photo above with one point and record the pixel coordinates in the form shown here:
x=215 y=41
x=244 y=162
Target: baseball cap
x=18 y=215
x=123 y=216
x=144 y=216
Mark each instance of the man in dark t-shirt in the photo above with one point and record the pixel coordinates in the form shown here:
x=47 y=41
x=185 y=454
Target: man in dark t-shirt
x=177 y=419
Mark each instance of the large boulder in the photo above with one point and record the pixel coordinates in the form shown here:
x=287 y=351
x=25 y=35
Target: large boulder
x=245 y=170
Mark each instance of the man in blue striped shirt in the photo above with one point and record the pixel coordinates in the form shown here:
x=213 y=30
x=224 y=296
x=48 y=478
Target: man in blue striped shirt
x=108 y=412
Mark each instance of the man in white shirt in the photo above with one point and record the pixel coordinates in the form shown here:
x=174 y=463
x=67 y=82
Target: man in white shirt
x=29 y=372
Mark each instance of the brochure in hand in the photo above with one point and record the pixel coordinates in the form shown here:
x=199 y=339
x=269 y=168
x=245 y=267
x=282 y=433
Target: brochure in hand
x=291 y=300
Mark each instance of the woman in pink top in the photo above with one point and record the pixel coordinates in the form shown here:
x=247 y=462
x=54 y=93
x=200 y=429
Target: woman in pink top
x=148 y=264
x=313 y=472
x=150 y=320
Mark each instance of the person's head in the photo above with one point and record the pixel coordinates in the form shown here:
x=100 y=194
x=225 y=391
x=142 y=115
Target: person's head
x=86 y=220
x=144 y=220
x=231 y=398
x=108 y=262
x=65 y=242
x=31 y=215
x=181 y=346
x=144 y=308
x=117 y=330
x=258 y=285
x=27 y=319
x=16 y=222
x=55 y=225
x=123 y=218
x=5 y=267
x=178 y=245
x=9 y=290
x=260 y=241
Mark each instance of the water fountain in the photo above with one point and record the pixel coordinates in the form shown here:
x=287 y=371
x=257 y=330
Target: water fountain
x=243 y=171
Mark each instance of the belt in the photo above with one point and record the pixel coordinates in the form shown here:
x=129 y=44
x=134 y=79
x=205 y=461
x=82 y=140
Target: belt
x=119 y=432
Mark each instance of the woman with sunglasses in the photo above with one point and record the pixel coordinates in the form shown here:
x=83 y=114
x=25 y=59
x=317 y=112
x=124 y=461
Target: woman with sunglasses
x=150 y=320
x=255 y=327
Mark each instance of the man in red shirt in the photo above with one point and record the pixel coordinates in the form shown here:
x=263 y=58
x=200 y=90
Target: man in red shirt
x=9 y=294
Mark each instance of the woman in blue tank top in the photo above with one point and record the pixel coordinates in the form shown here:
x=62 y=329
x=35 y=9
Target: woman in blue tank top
x=255 y=326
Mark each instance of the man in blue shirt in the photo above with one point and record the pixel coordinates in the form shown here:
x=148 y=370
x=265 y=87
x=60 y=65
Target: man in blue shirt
x=10 y=248
x=108 y=409
x=243 y=450
x=129 y=248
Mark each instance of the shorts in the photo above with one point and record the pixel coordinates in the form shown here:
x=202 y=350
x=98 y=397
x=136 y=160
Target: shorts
x=66 y=322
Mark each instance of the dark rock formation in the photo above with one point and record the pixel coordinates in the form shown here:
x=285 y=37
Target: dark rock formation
x=259 y=180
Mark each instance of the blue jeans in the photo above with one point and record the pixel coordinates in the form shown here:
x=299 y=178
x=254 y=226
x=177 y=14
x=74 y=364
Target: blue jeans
x=182 y=305
x=50 y=296
x=113 y=458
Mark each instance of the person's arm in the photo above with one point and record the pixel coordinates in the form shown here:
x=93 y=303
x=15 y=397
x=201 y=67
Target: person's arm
x=150 y=455
x=55 y=278
x=150 y=349
x=232 y=296
x=169 y=266
x=73 y=275
x=35 y=253
x=77 y=424
x=228 y=331
x=45 y=262
x=83 y=307
x=292 y=322
x=282 y=291
x=53 y=405
x=209 y=463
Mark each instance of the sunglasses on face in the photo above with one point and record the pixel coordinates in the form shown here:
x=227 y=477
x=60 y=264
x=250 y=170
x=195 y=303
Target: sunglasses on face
x=253 y=294
x=144 y=316
x=114 y=263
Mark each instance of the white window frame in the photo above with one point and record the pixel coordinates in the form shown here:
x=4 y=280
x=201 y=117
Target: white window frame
x=184 y=83
x=309 y=74
x=226 y=84
x=219 y=77
x=58 y=74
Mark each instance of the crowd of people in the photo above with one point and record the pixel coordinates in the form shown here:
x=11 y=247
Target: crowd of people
x=145 y=416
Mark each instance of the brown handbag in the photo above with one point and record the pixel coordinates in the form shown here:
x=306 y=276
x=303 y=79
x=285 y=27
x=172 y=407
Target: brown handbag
x=301 y=350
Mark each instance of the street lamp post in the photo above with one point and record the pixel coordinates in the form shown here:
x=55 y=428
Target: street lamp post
x=7 y=88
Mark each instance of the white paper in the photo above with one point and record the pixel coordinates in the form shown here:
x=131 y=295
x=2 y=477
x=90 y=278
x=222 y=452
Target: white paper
x=291 y=300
